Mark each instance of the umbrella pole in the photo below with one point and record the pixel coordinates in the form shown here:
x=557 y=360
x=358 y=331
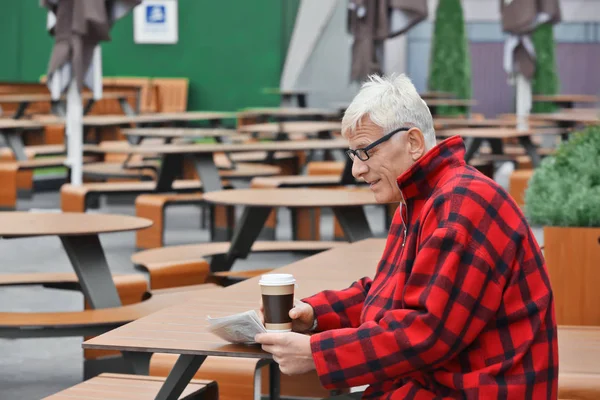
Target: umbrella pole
x=523 y=89
x=74 y=133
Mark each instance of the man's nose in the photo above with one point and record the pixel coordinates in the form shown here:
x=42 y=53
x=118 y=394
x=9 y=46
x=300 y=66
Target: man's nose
x=359 y=168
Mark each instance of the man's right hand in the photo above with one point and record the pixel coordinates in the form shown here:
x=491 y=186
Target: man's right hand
x=302 y=315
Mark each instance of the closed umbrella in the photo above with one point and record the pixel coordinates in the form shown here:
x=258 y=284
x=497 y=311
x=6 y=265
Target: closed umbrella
x=371 y=22
x=519 y=20
x=78 y=27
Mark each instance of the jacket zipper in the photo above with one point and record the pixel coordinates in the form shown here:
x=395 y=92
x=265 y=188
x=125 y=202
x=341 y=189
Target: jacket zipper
x=402 y=205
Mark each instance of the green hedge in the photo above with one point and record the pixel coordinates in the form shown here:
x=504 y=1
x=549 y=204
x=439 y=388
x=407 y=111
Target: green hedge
x=565 y=189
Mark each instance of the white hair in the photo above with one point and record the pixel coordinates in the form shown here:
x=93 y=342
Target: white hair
x=391 y=102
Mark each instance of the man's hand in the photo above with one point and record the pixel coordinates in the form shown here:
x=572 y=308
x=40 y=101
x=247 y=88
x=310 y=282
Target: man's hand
x=302 y=315
x=290 y=350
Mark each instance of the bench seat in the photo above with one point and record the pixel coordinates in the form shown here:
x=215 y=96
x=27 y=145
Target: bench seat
x=243 y=378
x=83 y=323
x=77 y=198
x=133 y=387
x=186 y=265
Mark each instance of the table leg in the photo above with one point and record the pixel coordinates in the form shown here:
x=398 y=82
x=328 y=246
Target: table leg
x=274 y=381
x=88 y=260
x=14 y=140
x=208 y=172
x=139 y=362
x=182 y=373
x=472 y=148
x=497 y=146
x=531 y=150
x=347 y=177
x=301 y=100
x=353 y=221
x=171 y=166
x=88 y=106
x=246 y=232
x=21 y=109
x=125 y=106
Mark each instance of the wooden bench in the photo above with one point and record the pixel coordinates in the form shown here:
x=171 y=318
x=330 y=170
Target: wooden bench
x=243 y=378
x=517 y=184
x=153 y=206
x=186 y=265
x=77 y=198
x=133 y=387
x=10 y=179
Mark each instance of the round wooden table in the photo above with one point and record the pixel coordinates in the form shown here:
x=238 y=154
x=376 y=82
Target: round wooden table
x=347 y=205
x=78 y=233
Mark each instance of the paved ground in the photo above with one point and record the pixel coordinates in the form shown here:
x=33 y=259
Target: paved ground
x=34 y=368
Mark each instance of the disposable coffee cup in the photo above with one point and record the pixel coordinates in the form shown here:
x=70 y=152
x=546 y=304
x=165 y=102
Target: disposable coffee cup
x=278 y=299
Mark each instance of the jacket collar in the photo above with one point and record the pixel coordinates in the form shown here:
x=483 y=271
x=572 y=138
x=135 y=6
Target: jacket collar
x=423 y=176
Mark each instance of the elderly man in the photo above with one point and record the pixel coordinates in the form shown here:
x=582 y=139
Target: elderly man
x=461 y=304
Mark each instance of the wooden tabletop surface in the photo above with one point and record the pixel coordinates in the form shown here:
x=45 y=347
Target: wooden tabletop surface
x=292 y=127
x=575 y=98
x=15 y=224
x=10 y=123
x=493 y=133
x=286 y=112
x=450 y=102
x=581 y=117
x=119 y=119
x=46 y=97
x=292 y=197
x=180 y=132
x=198 y=148
x=436 y=95
x=182 y=329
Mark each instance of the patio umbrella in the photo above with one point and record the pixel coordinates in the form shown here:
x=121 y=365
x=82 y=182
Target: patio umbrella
x=519 y=20
x=78 y=27
x=371 y=22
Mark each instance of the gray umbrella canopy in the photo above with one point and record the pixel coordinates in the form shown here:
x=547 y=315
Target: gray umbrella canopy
x=78 y=27
x=371 y=22
x=519 y=20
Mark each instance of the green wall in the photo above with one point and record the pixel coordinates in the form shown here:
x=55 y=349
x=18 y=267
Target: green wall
x=229 y=50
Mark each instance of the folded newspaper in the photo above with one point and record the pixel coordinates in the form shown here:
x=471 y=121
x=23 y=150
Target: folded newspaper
x=238 y=328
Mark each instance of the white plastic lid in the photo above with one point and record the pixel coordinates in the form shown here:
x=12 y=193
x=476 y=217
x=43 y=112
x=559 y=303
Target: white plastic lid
x=277 y=280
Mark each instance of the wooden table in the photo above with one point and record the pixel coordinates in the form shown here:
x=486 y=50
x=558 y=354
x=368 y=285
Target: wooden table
x=476 y=136
x=79 y=236
x=436 y=95
x=182 y=133
x=347 y=205
x=434 y=104
x=27 y=98
x=566 y=100
x=11 y=131
x=286 y=113
x=202 y=156
x=569 y=119
x=183 y=329
x=282 y=130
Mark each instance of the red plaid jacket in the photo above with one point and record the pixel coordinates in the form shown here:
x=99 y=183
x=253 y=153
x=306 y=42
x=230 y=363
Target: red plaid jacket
x=460 y=306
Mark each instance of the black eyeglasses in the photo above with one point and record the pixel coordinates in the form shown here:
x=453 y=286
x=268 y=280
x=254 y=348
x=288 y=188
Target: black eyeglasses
x=363 y=154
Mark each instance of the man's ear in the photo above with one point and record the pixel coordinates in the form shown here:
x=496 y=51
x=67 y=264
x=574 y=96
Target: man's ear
x=416 y=143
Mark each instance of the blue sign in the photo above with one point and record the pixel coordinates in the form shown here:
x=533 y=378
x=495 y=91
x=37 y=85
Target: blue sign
x=155 y=14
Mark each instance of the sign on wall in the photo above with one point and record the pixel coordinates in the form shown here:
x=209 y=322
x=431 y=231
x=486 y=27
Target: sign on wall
x=156 y=22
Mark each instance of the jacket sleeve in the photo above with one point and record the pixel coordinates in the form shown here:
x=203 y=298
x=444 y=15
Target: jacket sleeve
x=449 y=297
x=339 y=309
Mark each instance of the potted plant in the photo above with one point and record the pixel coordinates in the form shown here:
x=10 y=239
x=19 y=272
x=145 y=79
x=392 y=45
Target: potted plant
x=564 y=197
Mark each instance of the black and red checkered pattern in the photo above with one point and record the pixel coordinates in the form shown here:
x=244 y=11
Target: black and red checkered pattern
x=461 y=306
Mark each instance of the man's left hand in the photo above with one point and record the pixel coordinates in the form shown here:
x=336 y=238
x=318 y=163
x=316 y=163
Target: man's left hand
x=290 y=350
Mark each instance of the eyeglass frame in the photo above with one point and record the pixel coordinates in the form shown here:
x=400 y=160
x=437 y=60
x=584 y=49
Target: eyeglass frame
x=350 y=153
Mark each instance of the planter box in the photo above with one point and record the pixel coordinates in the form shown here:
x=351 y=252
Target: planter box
x=573 y=259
